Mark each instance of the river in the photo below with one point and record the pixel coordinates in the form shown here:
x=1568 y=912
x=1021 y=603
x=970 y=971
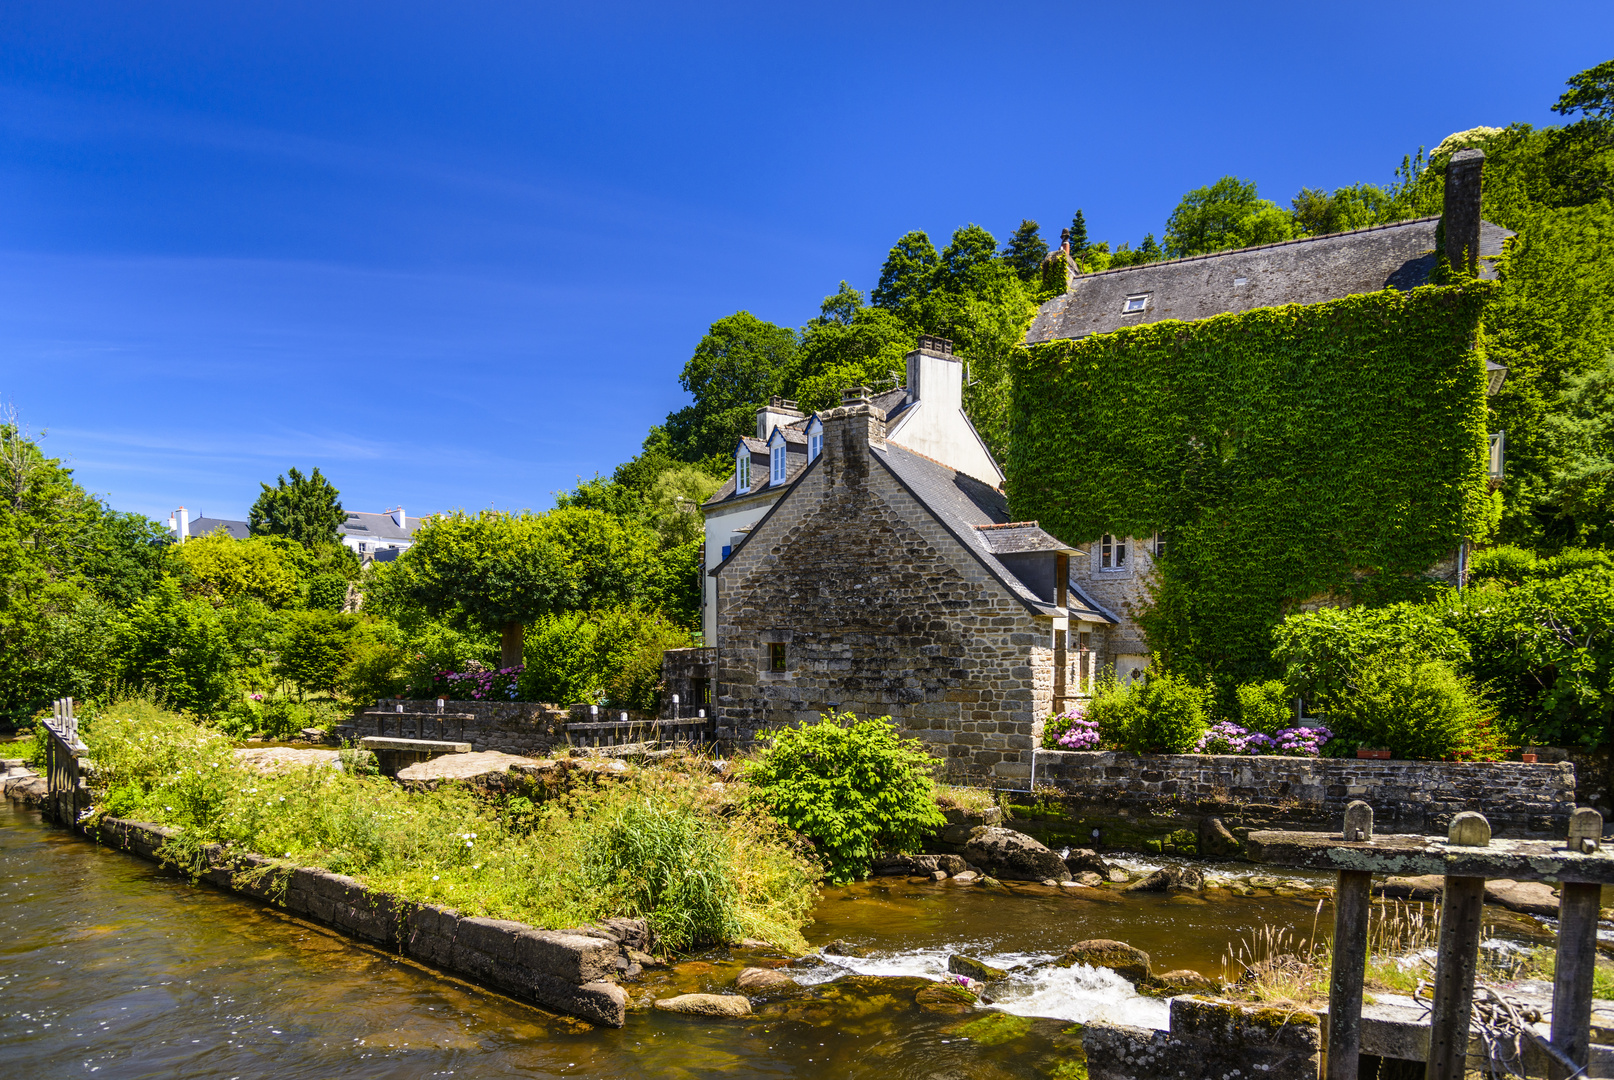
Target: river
x=110 y=968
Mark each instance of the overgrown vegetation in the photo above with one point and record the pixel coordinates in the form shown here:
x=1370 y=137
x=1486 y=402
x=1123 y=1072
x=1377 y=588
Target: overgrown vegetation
x=658 y=844
x=850 y=785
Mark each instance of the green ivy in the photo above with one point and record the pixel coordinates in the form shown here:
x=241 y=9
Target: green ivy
x=1286 y=453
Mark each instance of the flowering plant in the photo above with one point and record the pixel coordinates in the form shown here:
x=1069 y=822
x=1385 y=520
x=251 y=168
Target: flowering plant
x=1302 y=741
x=477 y=685
x=1070 y=730
x=1229 y=738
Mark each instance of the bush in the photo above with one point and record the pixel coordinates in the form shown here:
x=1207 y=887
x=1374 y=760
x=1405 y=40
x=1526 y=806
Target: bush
x=1176 y=713
x=1265 y=706
x=1415 y=710
x=327 y=592
x=1504 y=563
x=1072 y=729
x=377 y=665
x=1573 y=560
x=284 y=718
x=852 y=786
x=611 y=656
x=1324 y=652
x=177 y=647
x=1118 y=711
x=314 y=649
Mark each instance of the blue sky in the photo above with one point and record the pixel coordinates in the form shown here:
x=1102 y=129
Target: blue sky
x=456 y=255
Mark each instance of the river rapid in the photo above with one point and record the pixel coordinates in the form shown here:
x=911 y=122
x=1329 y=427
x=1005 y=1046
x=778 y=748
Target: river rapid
x=112 y=968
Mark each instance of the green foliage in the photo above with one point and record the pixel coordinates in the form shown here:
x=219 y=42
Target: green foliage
x=1590 y=92
x=738 y=365
x=612 y=656
x=1176 y=713
x=176 y=647
x=308 y=509
x=377 y=663
x=1423 y=710
x=283 y=718
x=314 y=649
x=1228 y=214
x=653 y=844
x=1505 y=562
x=1579 y=435
x=1272 y=446
x=675 y=504
x=125 y=557
x=1119 y=712
x=1326 y=653
x=223 y=569
x=1267 y=706
x=1025 y=251
x=850 y=785
x=327 y=592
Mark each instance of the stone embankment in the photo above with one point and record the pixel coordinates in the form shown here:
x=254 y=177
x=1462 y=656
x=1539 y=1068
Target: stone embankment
x=575 y=972
x=22 y=784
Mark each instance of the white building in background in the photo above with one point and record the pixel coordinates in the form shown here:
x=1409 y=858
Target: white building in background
x=373 y=537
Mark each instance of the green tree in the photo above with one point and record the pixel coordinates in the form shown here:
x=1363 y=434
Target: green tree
x=314 y=649
x=125 y=556
x=1227 y=214
x=849 y=344
x=675 y=504
x=1580 y=434
x=908 y=271
x=308 y=509
x=176 y=647
x=1591 y=92
x=738 y=365
x=1078 y=236
x=222 y=568
x=1025 y=251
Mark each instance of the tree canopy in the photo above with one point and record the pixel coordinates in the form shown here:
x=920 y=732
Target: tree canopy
x=308 y=509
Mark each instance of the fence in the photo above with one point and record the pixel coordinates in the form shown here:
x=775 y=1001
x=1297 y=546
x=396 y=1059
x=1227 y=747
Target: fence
x=674 y=730
x=65 y=765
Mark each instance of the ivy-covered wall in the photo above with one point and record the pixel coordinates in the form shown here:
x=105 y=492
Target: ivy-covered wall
x=1285 y=453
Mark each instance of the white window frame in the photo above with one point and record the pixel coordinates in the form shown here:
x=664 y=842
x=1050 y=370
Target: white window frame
x=815 y=445
x=742 y=471
x=1112 y=552
x=1157 y=547
x=1140 y=299
x=776 y=465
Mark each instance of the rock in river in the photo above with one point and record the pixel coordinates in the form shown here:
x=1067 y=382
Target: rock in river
x=968 y=965
x=1086 y=860
x=1126 y=961
x=1169 y=877
x=1012 y=856
x=706 y=1005
x=1529 y=897
x=761 y=980
x=1415 y=887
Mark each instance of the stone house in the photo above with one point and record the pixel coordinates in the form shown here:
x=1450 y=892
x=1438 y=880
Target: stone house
x=880 y=574
x=1116 y=571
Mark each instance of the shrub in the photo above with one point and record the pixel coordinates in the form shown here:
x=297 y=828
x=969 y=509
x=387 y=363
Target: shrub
x=1227 y=737
x=850 y=785
x=1501 y=563
x=327 y=592
x=1325 y=651
x=1118 y=712
x=1176 y=713
x=1265 y=706
x=314 y=649
x=178 y=647
x=1415 y=710
x=1572 y=560
x=376 y=666
x=1071 y=730
x=611 y=656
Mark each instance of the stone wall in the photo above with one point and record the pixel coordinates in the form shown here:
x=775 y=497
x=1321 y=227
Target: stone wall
x=513 y=727
x=572 y=972
x=880 y=610
x=1407 y=796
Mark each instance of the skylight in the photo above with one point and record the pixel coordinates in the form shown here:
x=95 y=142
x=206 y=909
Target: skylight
x=1135 y=304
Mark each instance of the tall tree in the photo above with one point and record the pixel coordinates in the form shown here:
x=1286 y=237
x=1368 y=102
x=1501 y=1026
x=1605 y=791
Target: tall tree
x=307 y=509
x=738 y=365
x=1078 y=235
x=1227 y=214
x=908 y=270
x=1026 y=250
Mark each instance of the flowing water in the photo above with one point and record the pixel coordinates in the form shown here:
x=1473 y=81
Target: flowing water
x=111 y=968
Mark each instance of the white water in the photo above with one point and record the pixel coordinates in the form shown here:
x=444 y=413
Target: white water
x=1083 y=994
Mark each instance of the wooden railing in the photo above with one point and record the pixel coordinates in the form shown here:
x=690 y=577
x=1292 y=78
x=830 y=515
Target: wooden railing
x=68 y=792
x=686 y=731
x=419 y=725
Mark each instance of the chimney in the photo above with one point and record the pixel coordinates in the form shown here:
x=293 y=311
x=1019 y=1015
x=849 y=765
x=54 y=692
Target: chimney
x=184 y=524
x=935 y=375
x=849 y=432
x=1461 y=219
x=398 y=518
x=778 y=412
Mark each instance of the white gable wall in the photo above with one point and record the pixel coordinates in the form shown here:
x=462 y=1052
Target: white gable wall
x=935 y=425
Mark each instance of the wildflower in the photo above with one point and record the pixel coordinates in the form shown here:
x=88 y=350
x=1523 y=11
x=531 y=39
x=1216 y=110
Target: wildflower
x=434 y=877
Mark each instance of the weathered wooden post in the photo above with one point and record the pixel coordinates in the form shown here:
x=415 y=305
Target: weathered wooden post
x=1458 y=956
x=1577 y=951
x=1352 y=902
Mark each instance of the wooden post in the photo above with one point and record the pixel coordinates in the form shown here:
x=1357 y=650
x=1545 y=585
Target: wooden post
x=1577 y=952
x=1353 y=900
x=1458 y=956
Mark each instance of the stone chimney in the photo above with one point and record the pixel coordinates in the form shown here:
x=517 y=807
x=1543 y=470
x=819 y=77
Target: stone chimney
x=1461 y=220
x=778 y=412
x=849 y=432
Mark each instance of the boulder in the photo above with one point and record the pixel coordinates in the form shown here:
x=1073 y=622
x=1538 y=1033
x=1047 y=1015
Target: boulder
x=282 y=758
x=1167 y=878
x=1088 y=878
x=974 y=969
x=1215 y=840
x=1126 y=961
x=706 y=1005
x=949 y=996
x=1529 y=897
x=968 y=877
x=487 y=768
x=1012 y=856
x=1119 y=876
x=918 y=865
x=1415 y=887
x=760 y=980
x=1086 y=860
x=1186 y=981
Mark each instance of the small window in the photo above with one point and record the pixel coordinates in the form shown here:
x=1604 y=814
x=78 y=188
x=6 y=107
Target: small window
x=742 y=472
x=777 y=461
x=815 y=446
x=1084 y=641
x=1159 y=544
x=1241 y=281
x=1134 y=304
x=1111 y=553
x=726 y=549
x=776 y=656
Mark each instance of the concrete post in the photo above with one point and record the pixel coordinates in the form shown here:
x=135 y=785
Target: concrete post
x=1458 y=956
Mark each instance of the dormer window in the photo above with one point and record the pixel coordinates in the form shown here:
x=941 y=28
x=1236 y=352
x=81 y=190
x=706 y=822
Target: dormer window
x=742 y=470
x=815 y=438
x=1111 y=553
x=1135 y=303
x=776 y=464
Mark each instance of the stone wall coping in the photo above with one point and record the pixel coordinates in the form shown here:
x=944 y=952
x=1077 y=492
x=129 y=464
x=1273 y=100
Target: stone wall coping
x=1111 y=757
x=568 y=971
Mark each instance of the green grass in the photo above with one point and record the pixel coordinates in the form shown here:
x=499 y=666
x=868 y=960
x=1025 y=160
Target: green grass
x=658 y=844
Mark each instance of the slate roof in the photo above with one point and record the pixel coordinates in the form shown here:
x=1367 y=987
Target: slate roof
x=366 y=526
x=1022 y=538
x=1306 y=271
x=206 y=526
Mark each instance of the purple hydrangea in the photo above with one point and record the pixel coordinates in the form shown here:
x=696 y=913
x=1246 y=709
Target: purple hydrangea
x=478 y=685
x=1302 y=741
x=1230 y=738
x=1076 y=731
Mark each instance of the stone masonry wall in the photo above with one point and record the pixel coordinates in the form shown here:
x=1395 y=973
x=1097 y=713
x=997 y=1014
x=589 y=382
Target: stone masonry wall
x=513 y=727
x=1407 y=796
x=881 y=610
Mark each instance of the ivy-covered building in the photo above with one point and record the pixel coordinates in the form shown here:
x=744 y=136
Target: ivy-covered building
x=1234 y=435
x=884 y=576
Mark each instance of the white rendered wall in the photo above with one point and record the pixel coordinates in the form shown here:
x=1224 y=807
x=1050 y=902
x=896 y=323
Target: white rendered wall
x=723 y=525
x=935 y=424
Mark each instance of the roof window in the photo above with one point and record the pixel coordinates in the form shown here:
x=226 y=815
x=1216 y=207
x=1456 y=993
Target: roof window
x=776 y=463
x=1135 y=303
x=742 y=470
x=1241 y=281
